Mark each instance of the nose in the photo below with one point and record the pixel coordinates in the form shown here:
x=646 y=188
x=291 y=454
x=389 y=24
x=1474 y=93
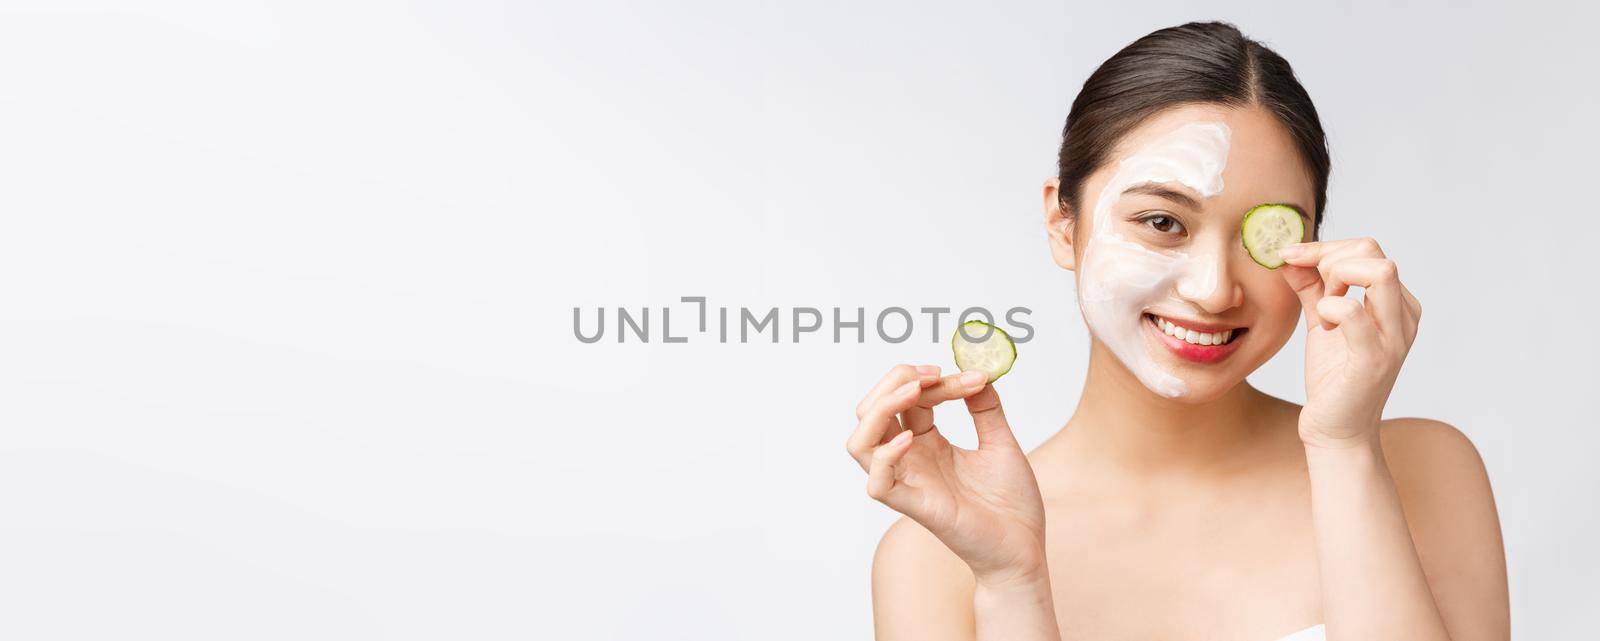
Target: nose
x=1207 y=283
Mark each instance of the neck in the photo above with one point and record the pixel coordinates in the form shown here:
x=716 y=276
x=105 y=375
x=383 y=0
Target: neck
x=1121 y=423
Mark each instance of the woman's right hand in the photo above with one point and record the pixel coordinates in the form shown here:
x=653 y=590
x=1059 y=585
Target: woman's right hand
x=984 y=504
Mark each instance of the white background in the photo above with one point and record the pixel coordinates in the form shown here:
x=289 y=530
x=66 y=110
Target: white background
x=286 y=293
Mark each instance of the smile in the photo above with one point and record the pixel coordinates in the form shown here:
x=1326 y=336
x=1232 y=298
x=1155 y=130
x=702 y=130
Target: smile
x=1197 y=342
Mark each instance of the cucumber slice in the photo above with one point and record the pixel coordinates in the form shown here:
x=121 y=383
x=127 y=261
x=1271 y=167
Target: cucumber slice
x=1267 y=228
x=985 y=348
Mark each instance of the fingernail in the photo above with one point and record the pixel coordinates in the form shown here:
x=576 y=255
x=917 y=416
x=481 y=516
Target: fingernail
x=973 y=378
x=928 y=370
x=1291 y=251
x=907 y=389
x=900 y=438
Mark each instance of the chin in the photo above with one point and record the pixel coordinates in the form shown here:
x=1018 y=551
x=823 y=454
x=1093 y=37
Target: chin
x=1203 y=388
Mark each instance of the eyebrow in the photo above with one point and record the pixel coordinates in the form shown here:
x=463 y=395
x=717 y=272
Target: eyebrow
x=1162 y=191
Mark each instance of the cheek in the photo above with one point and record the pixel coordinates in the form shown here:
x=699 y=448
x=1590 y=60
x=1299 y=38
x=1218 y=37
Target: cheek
x=1118 y=270
x=1279 y=306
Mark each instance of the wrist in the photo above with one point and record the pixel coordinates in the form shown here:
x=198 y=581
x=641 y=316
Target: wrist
x=1022 y=607
x=1022 y=586
x=1342 y=456
x=1365 y=437
x=1018 y=579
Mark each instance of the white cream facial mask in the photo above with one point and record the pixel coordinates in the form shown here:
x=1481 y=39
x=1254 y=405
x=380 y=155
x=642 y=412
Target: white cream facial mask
x=1120 y=278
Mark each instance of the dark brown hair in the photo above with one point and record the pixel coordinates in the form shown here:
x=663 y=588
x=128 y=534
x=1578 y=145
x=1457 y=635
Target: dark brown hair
x=1199 y=62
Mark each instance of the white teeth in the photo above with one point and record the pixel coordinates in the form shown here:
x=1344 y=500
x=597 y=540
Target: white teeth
x=1191 y=336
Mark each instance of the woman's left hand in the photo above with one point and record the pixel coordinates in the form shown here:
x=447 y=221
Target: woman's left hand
x=1353 y=350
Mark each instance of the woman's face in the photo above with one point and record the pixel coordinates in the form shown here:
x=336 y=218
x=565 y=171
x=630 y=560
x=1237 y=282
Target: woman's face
x=1157 y=244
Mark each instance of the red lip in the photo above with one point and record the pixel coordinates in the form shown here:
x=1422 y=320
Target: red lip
x=1190 y=351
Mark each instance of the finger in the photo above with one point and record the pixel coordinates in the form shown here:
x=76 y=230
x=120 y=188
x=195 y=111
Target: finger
x=1348 y=251
x=990 y=420
x=1351 y=316
x=1320 y=256
x=896 y=425
x=1381 y=281
x=882 y=483
x=896 y=377
x=919 y=418
x=1415 y=307
x=1412 y=303
x=901 y=422
x=1307 y=285
x=877 y=420
x=1311 y=253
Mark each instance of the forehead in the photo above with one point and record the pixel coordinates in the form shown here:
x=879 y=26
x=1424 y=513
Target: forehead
x=1263 y=163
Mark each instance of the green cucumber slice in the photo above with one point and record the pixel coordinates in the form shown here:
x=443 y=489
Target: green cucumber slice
x=1267 y=228
x=985 y=348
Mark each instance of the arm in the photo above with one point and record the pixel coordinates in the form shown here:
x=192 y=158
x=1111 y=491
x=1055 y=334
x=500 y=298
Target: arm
x=921 y=591
x=1372 y=581
x=1450 y=506
x=1440 y=576
x=1375 y=584
x=1023 y=609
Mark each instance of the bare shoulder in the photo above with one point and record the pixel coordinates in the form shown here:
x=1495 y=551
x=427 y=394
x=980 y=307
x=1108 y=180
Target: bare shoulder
x=1438 y=472
x=1450 y=509
x=920 y=589
x=1426 y=451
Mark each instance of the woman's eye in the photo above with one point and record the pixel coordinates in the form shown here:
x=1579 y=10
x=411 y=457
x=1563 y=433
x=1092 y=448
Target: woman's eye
x=1162 y=223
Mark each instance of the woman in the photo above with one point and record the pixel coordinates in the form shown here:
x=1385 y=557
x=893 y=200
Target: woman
x=1179 y=502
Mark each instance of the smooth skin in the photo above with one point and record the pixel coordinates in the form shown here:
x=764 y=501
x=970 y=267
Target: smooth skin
x=1225 y=514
